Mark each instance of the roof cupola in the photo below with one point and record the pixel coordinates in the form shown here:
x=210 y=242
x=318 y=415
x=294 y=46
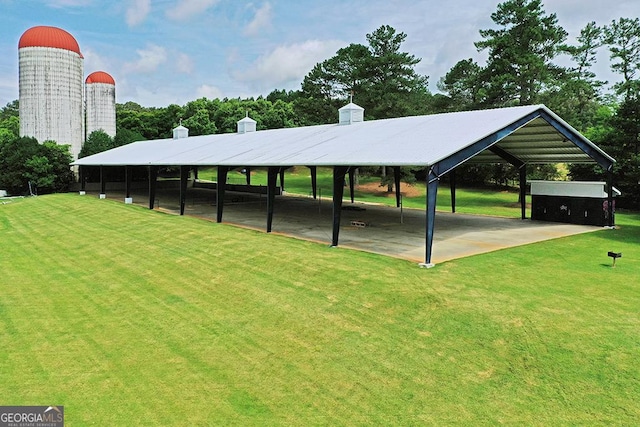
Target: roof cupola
x=350 y=113
x=180 y=131
x=246 y=125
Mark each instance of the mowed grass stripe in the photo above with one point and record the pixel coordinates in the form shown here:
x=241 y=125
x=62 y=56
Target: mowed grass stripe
x=129 y=316
x=99 y=293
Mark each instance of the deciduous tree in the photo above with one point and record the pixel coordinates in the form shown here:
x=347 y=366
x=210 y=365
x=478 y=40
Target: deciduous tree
x=45 y=166
x=97 y=142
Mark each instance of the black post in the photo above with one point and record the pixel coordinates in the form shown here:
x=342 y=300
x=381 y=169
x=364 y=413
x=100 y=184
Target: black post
x=314 y=180
x=127 y=179
x=432 y=192
x=352 y=172
x=452 y=184
x=611 y=210
x=184 y=175
x=523 y=190
x=221 y=186
x=195 y=172
x=248 y=175
x=396 y=177
x=83 y=183
x=103 y=185
x=272 y=176
x=338 y=192
x=153 y=177
x=282 y=180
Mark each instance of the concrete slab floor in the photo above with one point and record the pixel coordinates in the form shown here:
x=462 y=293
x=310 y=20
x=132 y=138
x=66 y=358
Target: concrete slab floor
x=373 y=228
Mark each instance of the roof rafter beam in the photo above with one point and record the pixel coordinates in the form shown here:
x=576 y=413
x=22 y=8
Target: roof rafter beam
x=540 y=145
x=506 y=156
x=456 y=159
x=541 y=130
x=604 y=161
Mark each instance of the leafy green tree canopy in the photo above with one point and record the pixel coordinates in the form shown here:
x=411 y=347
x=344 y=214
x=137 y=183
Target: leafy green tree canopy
x=9 y=122
x=576 y=97
x=126 y=136
x=9 y=110
x=463 y=85
x=521 y=52
x=623 y=38
x=381 y=77
x=97 y=142
x=24 y=161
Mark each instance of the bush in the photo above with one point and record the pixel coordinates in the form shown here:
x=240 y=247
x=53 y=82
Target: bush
x=24 y=161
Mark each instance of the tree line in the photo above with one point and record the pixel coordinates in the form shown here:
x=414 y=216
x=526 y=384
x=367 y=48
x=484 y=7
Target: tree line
x=521 y=69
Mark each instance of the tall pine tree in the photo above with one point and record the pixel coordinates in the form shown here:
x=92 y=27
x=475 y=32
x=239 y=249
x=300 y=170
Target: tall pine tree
x=521 y=52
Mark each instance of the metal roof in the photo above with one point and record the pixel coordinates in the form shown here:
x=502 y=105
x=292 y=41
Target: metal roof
x=527 y=134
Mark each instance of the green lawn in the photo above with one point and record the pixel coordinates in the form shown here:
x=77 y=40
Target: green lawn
x=133 y=317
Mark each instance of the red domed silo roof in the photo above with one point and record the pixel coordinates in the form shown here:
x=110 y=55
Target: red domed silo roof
x=43 y=36
x=100 y=77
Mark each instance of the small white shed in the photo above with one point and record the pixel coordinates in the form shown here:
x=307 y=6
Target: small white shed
x=576 y=202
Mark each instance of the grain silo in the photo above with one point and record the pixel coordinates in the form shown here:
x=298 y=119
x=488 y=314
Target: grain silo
x=51 y=76
x=100 y=97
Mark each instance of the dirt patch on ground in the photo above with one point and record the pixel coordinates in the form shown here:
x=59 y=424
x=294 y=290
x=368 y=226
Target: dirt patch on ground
x=407 y=190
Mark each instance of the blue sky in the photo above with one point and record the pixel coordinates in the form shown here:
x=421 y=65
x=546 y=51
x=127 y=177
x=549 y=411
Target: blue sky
x=173 y=51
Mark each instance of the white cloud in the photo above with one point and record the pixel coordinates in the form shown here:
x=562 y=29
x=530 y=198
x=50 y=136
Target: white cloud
x=148 y=59
x=210 y=92
x=261 y=20
x=155 y=96
x=185 y=9
x=183 y=63
x=287 y=65
x=94 y=62
x=137 y=11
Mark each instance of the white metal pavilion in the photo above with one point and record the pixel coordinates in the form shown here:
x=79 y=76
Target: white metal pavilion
x=439 y=142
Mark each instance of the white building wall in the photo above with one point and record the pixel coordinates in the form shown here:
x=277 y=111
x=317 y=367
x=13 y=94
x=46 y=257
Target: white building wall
x=51 y=89
x=570 y=188
x=101 y=108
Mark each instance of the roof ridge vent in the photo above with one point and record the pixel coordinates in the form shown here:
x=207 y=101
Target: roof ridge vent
x=246 y=125
x=180 y=131
x=350 y=113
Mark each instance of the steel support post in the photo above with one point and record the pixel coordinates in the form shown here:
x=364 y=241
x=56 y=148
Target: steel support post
x=184 y=175
x=127 y=179
x=272 y=177
x=452 y=185
x=523 y=191
x=83 y=183
x=432 y=192
x=611 y=210
x=396 y=178
x=282 y=180
x=153 y=177
x=103 y=184
x=352 y=183
x=221 y=186
x=314 y=180
x=338 y=192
